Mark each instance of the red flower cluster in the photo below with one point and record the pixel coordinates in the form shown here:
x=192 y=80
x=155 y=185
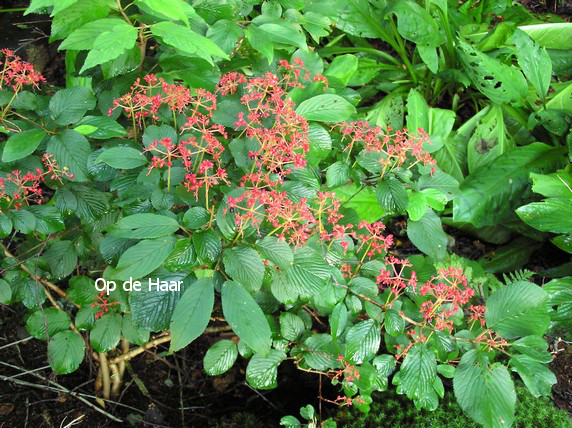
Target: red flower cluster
x=348 y=372
x=146 y=98
x=373 y=240
x=103 y=305
x=449 y=291
x=393 y=277
x=397 y=148
x=477 y=313
x=18 y=73
x=19 y=189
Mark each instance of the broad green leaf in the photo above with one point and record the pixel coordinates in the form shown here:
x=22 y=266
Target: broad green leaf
x=418 y=372
x=277 y=251
x=55 y=319
x=22 y=144
x=494 y=190
x=110 y=45
x=388 y=112
x=416 y=205
x=428 y=236
x=486 y=393
x=192 y=314
x=82 y=290
x=489 y=140
x=196 y=217
x=536 y=376
x=262 y=370
x=68 y=106
x=555 y=35
x=308 y=274
x=38 y=5
x=286 y=33
x=320 y=144
x=555 y=185
x=62 y=258
x=326 y=108
x=173 y=9
x=84 y=37
x=338 y=320
x=187 y=41
x=260 y=41
x=356 y=17
x=534 y=347
x=220 y=357
x=65 y=352
x=225 y=34
x=362 y=341
x=394 y=323
x=77 y=15
x=106 y=332
x=143 y=258
x=71 y=150
x=5 y=292
x=518 y=309
x=534 y=62
x=291 y=326
x=342 y=68
x=362 y=200
x=182 y=257
x=415 y=24
x=144 y=226
x=152 y=309
x=24 y=221
x=499 y=82
x=105 y=127
x=548 y=216
x=321 y=352
x=562 y=100
x=133 y=334
x=208 y=245
x=337 y=174
x=122 y=158
x=244 y=265
x=245 y=317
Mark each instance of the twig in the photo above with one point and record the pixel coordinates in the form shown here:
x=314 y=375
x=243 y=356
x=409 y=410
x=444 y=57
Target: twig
x=105 y=378
x=17 y=342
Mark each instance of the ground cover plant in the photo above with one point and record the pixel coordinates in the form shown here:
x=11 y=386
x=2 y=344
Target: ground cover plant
x=296 y=173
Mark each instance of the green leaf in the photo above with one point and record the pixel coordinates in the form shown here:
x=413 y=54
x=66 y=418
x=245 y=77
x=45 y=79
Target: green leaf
x=534 y=62
x=337 y=174
x=244 y=265
x=24 y=221
x=291 y=326
x=326 y=108
x=84 y=37
x=133 y=334
x=415 y=24
x=499 y=82
x=489 y=140
x=556 y=185
x=262 y=370
x=485 y=393
x=85 y=129
x=22 y=144
x=68 y=106
x=220 y=357
x=342 y=68
x=5 y=292
x=394 y=323
x=192 y=314
x=286 y=33
x=77 y=15
x=55 y=319
x=308 y=274
x=144 y=226
x=172 y=9
x=66 y=350
x=260 y=41
x=547 y=216
x=362 y=341
x=555 y=35
x=106 y=332
x=208 y=245
x=338 y=320
x=225 y=34
x=143 y=258
x=277 y=251
x=428 y=236
x=416 y=205
x=536 y=376
x=245 y=317
x=418 y=372
x=82 y=290
x=494 y=190
x=362 y=200
x=518 y=309
x=105 y=127
x=111 y=45
x=71 y=150
x=62 y=258
x=196 y=217
x=182 y=257
x=388 y=112
x=187 y=41
x=320 y=144
x=152 y=309
x=534 y=347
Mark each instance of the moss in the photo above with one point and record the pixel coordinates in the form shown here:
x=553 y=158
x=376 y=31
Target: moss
x=392 y=410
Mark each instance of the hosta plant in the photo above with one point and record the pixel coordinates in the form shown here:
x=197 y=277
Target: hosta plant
x=137 y=222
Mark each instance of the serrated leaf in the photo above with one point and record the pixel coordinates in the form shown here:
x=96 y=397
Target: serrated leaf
x=84 y=37
x=244 y=265
x=277 y=251
x=192 y=314
x=106 y=332
x=518 y=309
x=391 y=195
x=62 y=258
x=291 y=326
x=144 y=226
x=245 y=317
x=536 y=376
x=326 y=108
x=55 y=319
x=362 y=341
x=418 y=372
x=66 y=350
x=207 y=244
x=428 y=236
x=220 y=357
x=262 y=370
x=22 y=144
x=182 y=257
x=196 y=217
x=337 y=174
x=71 y=150
x=110 y=45
x=143 y=258
x=68 y=106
